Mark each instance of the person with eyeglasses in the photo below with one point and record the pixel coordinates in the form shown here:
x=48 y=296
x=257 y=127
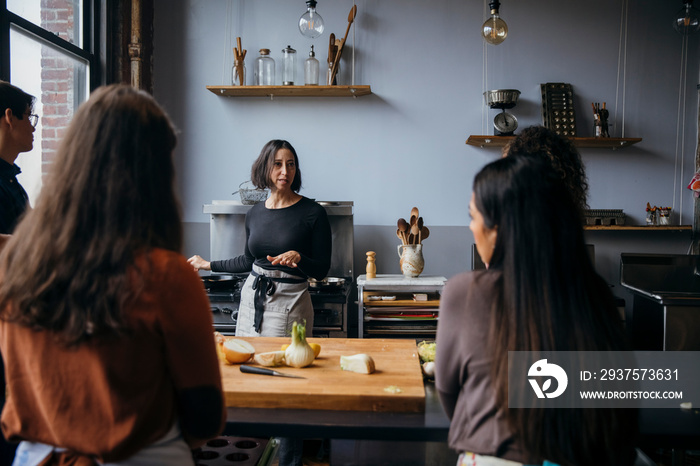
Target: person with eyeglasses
x=16 y=136
x=17 y=125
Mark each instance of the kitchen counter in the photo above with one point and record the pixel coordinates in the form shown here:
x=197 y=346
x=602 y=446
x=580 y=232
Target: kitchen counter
x=666 y=300
x=659 y=428
x=429 y=426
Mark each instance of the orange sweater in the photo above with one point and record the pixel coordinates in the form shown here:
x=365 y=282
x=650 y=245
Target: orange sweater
x=113 y=397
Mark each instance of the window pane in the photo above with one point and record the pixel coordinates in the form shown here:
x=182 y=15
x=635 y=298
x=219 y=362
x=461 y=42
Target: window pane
x=62 y=17
x=59 y=82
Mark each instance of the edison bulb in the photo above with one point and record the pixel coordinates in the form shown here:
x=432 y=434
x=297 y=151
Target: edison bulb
x=494 y=30
x=311 y=23
x=687 y=20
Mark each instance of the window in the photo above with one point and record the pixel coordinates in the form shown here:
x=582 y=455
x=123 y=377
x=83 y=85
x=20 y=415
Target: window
x=50 y=49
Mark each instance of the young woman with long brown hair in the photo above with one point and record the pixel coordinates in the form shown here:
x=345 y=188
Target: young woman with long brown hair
x=540 y=292
x=105 y=329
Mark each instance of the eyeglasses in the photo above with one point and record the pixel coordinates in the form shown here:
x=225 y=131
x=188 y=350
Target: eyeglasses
x=33 y=119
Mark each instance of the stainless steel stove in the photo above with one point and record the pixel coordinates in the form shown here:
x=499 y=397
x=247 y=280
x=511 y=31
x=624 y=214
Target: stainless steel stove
x=224 y=292
x=330 y=305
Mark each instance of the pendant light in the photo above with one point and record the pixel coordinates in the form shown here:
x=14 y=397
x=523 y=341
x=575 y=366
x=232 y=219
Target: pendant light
x=311 y=23
x=494 y=29
x=687 y=20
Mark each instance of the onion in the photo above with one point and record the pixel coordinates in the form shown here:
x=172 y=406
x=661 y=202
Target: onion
x=238 y=351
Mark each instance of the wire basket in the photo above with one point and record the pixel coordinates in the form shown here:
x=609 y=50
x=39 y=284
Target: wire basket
x=249 y=194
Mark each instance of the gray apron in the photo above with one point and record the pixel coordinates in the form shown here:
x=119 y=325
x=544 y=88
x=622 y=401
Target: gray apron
x=285 y=299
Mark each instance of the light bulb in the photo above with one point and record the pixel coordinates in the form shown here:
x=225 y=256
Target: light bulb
x=687 y=20
x=311 y=23
x=494 y=29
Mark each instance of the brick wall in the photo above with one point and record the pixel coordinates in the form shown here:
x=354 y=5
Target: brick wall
x=58 y=78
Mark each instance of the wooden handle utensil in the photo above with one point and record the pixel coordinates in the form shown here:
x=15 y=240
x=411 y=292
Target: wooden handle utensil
x=336 y=61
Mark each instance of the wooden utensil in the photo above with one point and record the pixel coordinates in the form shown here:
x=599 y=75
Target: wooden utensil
x=400 y=236
x=404 y=227
x=239 y=57
x=331 y=47
x=415 y=232
x=419 y=224
x=414 y=211
x=336 y=61
x=424 y=232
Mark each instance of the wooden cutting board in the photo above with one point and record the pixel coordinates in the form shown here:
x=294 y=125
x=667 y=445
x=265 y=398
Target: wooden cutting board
x=326 y=386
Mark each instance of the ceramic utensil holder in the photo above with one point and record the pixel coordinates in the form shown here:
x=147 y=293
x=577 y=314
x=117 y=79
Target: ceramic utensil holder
x=411 y=259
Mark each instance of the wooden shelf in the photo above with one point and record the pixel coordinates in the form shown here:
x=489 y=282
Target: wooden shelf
x=402 y=300
x=290 y=91
x=599 y=143
x=638 y=227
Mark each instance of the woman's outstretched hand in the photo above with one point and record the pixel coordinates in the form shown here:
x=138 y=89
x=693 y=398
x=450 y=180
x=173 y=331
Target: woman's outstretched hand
x=198 y=263
x=289 y=258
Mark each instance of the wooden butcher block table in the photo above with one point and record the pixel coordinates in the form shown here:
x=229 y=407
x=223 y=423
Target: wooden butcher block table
x=326 y=386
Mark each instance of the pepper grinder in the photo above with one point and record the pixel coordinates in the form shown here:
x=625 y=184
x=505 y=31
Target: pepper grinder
x=371 y=266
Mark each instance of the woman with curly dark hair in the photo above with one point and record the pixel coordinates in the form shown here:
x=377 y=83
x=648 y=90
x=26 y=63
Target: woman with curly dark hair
x=538 y=141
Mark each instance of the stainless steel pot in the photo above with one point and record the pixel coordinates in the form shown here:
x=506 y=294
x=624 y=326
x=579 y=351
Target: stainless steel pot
x=326 y=283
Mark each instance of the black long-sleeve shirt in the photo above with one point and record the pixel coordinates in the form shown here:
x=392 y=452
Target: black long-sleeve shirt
x=301 y=227
x=13 y=197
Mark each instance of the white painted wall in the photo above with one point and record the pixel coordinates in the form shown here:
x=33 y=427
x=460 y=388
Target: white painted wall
x=427 y=65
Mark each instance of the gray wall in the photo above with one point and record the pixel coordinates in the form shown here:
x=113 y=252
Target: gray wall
x=428 y=67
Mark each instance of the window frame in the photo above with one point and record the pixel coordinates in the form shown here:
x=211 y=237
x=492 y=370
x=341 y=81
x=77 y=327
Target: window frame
x=91 y=51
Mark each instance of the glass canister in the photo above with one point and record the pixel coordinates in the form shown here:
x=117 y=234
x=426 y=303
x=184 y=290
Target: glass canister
x=264 y=69
x=289 y=57
x=311 y=67
x=238 y=73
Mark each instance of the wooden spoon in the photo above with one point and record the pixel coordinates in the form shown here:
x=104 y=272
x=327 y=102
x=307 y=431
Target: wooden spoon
x=415 y=232
x=404 y=227
x=414 y=211
x=400 y=235
x=424 y=232
x=419 y=224
x=331 y=46
x=351 y=18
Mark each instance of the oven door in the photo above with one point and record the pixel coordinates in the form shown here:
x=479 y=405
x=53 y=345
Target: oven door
x=224 y=308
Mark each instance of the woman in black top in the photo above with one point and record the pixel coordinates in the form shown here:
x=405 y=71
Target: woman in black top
x=288 y=239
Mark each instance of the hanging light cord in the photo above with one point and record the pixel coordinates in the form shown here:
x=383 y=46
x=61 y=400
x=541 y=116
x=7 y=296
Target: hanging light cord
x=622 y=63
x=680 y=131
x=484 y=77
x=227 y=42
x=353 y=46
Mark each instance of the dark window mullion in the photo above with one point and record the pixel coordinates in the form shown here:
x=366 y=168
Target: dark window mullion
x=47 y=36
x=4 y=42
x=92 y=38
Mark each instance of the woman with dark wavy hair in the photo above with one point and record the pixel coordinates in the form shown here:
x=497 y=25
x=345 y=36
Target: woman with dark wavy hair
x=540 y=292
x=288 y=240
x=105 y=329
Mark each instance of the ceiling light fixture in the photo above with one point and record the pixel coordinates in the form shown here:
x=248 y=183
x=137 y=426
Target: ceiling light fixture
x=687 y=20
x=494 y=29
x=311 y=23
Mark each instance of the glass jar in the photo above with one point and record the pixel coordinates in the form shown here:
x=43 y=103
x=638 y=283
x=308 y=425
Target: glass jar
x=311 y=66
x=238 y=73
x=264 y=69
x=289 y=62
x=330 y=81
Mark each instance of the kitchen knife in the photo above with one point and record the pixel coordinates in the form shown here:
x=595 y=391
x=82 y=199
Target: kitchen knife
x=263 y=371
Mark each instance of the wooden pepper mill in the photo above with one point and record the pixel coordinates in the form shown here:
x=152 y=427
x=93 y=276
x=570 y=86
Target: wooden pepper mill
x=371 y=266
